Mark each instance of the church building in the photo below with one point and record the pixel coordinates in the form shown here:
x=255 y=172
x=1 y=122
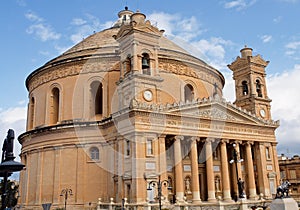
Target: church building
x=126 y=114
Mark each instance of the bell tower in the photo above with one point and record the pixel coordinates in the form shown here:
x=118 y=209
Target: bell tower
x=138 y=47
x=250 y=83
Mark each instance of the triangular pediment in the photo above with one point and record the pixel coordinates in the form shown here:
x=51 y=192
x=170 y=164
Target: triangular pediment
x=217 y=111
x=145 y=27
x=209 y=109
x=242 y=62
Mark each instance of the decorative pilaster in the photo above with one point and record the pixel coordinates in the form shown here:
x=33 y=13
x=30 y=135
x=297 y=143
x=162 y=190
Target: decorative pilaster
x=250 y=171
x=275 y=161
x=162 y=163
x=210 y=171
x=263 y=181
x=178 y=168
x=225 y=172
x=195 y=171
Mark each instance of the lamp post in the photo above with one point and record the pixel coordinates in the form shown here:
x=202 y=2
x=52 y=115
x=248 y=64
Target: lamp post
x=236 y=159
x=65 y=193
x=159 y=184
x=8 y=165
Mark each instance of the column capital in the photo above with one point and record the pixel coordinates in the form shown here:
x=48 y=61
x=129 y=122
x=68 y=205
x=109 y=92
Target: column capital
x=210 y=140
x=248 y=143
x=274 y=143
x=224 y=141
x=195 y=138
x=161 y=136
x=178 y=138
x=237 y=142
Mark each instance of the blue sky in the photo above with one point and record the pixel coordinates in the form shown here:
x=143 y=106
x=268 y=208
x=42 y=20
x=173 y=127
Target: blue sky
x=35 y=31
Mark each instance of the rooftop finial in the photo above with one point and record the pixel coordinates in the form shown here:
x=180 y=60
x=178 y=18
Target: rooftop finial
x=126 y=8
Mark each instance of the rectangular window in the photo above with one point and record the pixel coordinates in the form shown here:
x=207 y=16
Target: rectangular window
x=293 y=174
x=127 y=147
x=282 y=175
x=149 y=147
x=268 y=156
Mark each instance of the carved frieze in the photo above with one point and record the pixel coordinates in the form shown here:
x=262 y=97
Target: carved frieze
x=177 y=68
x=181 y=68
x=68 y=70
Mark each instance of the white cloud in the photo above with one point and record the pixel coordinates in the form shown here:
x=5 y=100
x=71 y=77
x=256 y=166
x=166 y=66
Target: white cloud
x=290 y=1
x=40 y=29
x=13 y=118
x=266 y=38
x=87 y=26
x=33 y=17
x=277 y=19
x=284 y=91
x=43 y=32
x=174 y=25
x=185 y=32
x=293 y=45
x=78 y=21
x=239 y=4
x=293 y=49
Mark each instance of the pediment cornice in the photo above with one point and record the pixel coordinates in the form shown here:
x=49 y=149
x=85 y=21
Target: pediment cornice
x=207 y=108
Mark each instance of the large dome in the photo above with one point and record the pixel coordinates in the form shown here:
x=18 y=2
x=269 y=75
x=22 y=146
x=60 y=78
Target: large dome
x=103 y=43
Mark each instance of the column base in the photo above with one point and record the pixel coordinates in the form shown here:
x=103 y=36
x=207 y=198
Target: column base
x=196 y=198
x=252 y=194
x=179 y=197
x=227 y=196
x=211 y=196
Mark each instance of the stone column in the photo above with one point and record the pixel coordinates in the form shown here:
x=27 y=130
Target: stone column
x=263 y=182
x=178 y=169
x=162 y=163
x=225 y=172
x=210 y=171
x=250 y=171
x=275 y=161
x=195 y=172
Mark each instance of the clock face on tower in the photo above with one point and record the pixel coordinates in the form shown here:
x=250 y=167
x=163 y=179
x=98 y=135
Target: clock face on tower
x=148 y=96
x=262 y=113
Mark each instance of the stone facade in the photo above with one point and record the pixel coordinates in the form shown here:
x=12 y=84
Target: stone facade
x=290 y=170
x=126 y=107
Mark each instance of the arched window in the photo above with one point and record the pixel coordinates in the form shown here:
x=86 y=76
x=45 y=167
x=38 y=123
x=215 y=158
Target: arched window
x=245 y=88
x=31 y=113
x=94 y=153
x=258 y=88
x=188 y=92
x=127 y=65
x=146 y=64
x=54 y=107
x=96 y=98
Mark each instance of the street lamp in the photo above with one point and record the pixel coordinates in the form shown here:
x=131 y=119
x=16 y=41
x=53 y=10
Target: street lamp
x=159 y=185
x=8 y=165
x=66 y=192
x=236 y=159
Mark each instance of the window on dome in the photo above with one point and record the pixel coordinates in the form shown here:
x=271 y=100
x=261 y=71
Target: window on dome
x=258 y=88
x=146 y=64
x=31 y=113
x=96 y=98
x=188 y=92
x=94 y=153
x=54 y=107
x=245 y=88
